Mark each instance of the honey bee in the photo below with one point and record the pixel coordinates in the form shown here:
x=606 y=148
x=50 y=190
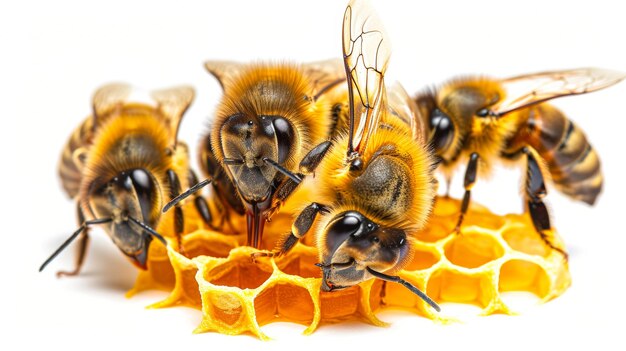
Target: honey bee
x=376 y=184
x=121 y=164
x=479 y=120
x=260 y=145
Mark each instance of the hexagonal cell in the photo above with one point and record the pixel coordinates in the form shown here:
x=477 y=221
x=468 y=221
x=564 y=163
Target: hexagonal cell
x=199 y=246
x=422 y=259
x=244 y=275
x=302 y=265
x=339 y=305
x=398 y=295
x=224 y=307
x=284 y=302
x=435 y=230
x=526 y=240
x=484 y=222
x=472 y=250
x=450 y=286
x=521 y=275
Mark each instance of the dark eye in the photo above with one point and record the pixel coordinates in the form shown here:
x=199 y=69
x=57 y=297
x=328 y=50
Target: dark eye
x=342 y=227
x=443 y=129
x=284 y=137
x=145 y=188
x=141 y=180
x=348 y=224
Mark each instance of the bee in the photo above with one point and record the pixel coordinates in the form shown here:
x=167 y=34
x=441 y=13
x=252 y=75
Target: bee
x=260 y=144
x=121 y=164
x=375 y=186
x=479 y=121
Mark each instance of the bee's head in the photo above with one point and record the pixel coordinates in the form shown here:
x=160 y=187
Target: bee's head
x=247 y=143
x=354 y=245
x=457 y=109
x=128 y=197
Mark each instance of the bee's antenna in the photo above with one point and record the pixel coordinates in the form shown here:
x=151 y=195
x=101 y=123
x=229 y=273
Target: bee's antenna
x=295 y=177
x=407 y=285
x=72 y=238
x=149 y=230
x=186 y=194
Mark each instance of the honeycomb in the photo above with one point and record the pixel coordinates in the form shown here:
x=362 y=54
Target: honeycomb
x=492 y=255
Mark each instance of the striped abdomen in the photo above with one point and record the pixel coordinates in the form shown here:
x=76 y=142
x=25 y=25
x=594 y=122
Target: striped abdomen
x=69 y=170
x=573 y=163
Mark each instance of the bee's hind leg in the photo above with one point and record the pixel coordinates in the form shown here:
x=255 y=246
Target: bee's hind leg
x=535 y=189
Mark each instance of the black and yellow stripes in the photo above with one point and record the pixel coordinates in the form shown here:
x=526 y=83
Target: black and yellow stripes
x=573 y=163
x=71 y=157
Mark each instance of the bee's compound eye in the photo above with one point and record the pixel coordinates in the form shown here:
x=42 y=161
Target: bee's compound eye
x=348 y=224
x=341 y=228
x=284 y=137
x=443 y=129
x=439 y=120
x=141 y=179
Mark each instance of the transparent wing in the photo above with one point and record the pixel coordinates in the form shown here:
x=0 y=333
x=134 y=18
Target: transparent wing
x=324 y=75
x=173 y=103
x=526 y=90
x=366 y=51
x=400 y=104
x=109 y=97
x=223 y=71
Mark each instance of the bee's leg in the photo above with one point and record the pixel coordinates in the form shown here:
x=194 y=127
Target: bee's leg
x=179 y=220
x=307 y=166
x=313 y=158
x=83 y=243
x=282 y=193
x=468 y=182
x=535 y=191
x=201 y=205
x=300 y=227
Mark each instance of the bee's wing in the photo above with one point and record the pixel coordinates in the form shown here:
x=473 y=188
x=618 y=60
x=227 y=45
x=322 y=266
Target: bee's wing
x=324 y=75
x=400 y=104
x=526 y=90
x=109 y=97
x=173 y=103
x=223 y=71
x=366 y=51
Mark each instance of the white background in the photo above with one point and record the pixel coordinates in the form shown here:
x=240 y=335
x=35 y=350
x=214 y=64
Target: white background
x=55 y=54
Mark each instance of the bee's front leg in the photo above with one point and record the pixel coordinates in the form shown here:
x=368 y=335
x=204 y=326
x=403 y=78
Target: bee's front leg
x=83 y=243
x=299 y=229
